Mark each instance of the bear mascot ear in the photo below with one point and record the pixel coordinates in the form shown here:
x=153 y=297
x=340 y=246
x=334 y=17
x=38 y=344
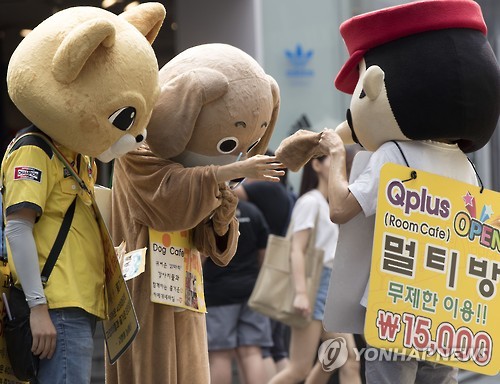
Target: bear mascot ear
x=261 y=147
x=180 y=102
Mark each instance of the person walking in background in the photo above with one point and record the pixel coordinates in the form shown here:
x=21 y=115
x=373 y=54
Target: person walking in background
x=304 y=343
x=233 y=329
x=275 y=201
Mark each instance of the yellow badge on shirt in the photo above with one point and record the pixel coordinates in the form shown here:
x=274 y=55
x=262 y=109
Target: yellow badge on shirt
x=176 y=272
x=435 y=270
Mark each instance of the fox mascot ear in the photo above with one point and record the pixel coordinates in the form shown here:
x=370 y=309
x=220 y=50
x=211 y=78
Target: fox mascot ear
x=81 y=42
x=80 y=69
x=79 y=45
x=147 y=18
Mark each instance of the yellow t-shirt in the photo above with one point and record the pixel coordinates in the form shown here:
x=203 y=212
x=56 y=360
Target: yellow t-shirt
x=34 y=177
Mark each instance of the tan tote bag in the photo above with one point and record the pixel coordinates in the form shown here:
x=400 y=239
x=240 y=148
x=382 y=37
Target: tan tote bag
x=274 y=289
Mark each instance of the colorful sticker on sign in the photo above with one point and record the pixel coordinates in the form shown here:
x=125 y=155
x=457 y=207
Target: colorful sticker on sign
x=435 y=271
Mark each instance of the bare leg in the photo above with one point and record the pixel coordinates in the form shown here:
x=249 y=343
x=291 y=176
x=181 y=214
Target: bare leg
x=318 y=375
x=251 y=364
x=220 y=366
x=350 y=372
x=282 y=364
x=270 y=367
x=303 y=349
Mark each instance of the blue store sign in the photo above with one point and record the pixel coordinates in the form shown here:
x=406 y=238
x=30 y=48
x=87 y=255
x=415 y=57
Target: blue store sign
x=299 y=60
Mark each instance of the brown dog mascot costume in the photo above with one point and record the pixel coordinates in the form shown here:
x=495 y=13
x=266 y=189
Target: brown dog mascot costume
x=217 y=106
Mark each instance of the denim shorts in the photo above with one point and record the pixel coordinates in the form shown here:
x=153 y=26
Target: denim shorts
x=72 y=360
x=281 y=342
x=236 y=325
x=319 y=306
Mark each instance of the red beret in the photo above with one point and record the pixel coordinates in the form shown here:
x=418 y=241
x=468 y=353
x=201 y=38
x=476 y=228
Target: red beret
x=372 y=29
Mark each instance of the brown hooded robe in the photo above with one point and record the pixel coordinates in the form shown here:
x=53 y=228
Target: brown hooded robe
x=171 y=346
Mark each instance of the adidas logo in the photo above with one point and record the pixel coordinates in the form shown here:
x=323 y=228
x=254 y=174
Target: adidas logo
x=299 y=59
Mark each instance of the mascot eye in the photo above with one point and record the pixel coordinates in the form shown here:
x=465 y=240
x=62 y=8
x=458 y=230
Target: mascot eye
x=227 y=145
x=252 y=146
x=123 y=118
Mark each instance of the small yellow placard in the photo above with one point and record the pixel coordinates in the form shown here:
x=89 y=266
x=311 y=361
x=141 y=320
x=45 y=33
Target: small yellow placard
x=435 y=270
x=121 y=326
x=176 y=272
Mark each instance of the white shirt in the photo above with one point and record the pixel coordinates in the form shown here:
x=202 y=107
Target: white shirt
x=429 y=156
x=304 y=217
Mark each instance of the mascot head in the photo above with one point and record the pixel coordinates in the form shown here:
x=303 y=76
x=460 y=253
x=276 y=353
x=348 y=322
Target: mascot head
x=216 y=105
x=420 y=71
x=89 y=78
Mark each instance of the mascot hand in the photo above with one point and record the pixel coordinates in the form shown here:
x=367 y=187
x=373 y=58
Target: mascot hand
x=225 y=212
x=330 y=143
x=296 y=150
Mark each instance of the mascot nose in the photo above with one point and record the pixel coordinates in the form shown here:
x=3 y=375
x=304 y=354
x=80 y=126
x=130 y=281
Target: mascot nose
x=139 y=138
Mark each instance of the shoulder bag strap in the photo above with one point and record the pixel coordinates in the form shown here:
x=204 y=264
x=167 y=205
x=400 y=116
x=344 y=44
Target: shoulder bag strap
x=68 y=217
x=58 y=243
x=289 y=231
x=3 y=249
x=63 y=160
x=312 y=239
